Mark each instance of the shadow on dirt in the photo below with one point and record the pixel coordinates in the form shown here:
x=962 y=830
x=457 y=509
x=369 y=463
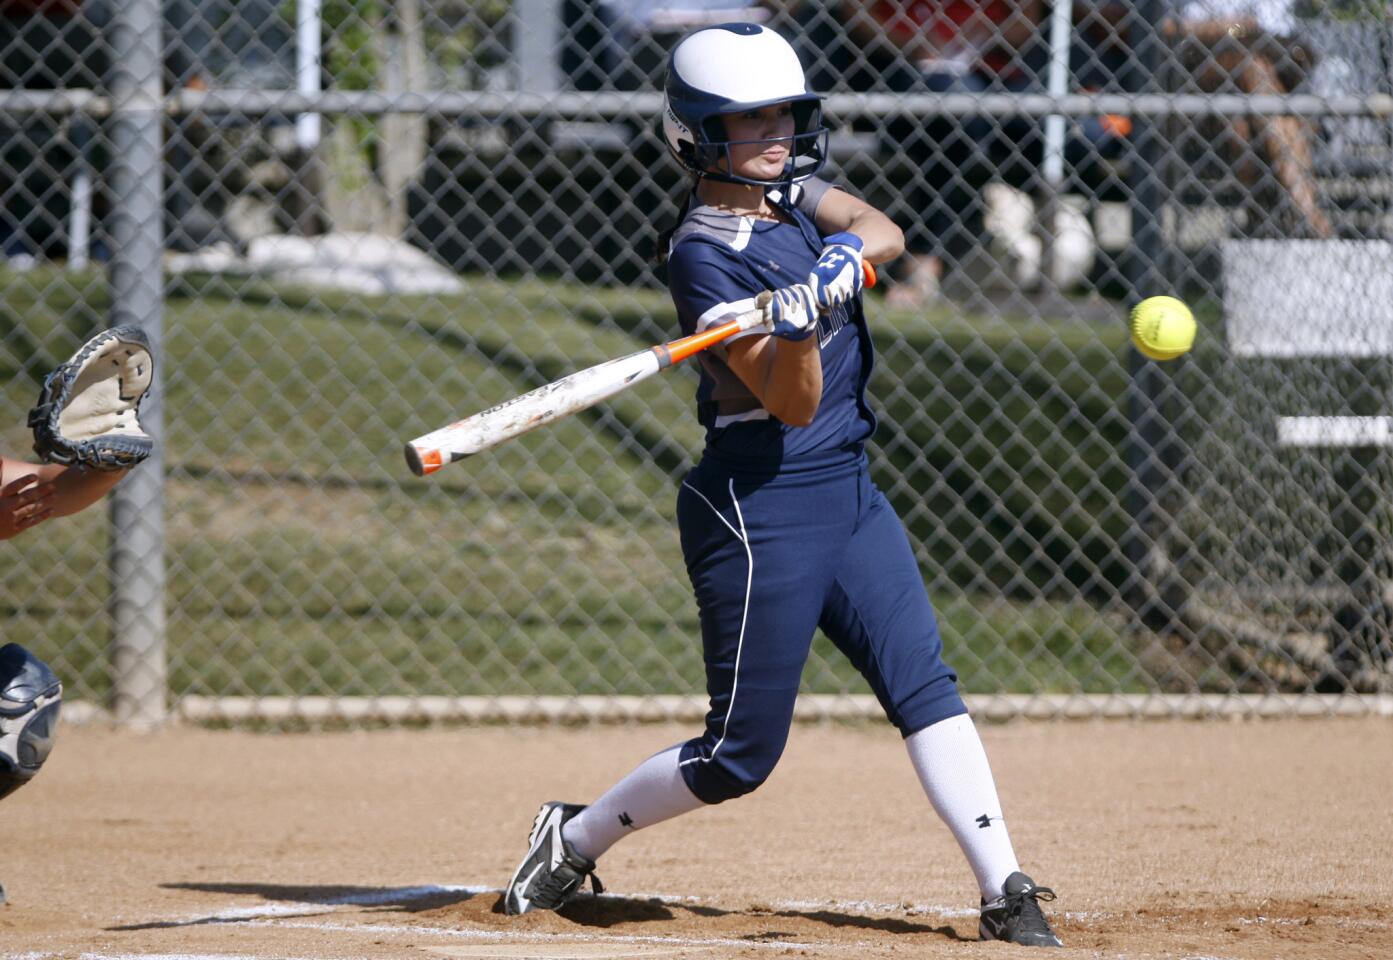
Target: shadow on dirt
x=408 y=899
x=884 y=924
x=610 y=910
x=585 y=911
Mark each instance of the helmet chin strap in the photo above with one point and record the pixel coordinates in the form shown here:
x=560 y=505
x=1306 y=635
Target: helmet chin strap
x=746 y=181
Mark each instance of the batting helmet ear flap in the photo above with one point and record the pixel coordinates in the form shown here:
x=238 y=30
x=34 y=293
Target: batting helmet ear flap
x=807 y=116
x=713 y=151
x=809 y=139
x=713 y=128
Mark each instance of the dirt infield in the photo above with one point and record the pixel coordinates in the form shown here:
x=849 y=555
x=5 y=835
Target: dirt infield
x=1215 y=840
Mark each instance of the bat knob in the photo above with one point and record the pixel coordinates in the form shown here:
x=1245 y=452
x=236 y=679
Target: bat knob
x=423 y=463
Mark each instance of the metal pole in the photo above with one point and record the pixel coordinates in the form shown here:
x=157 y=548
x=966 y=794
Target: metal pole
x=1047 y=225
x=537 y=45
x=80 y=218
x=1061 y=23
x=1151 y=445
x=138 y=661
x=308 y=25
x=1361 y=636
x=302 y=201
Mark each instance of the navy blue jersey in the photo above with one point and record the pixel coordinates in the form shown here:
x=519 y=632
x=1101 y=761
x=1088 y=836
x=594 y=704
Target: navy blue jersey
x=718 y=263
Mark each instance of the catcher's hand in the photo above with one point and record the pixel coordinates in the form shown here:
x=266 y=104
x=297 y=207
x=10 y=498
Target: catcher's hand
x=87 y=410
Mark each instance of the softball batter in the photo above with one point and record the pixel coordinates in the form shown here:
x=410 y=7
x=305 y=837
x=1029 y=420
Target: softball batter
x=782 y=529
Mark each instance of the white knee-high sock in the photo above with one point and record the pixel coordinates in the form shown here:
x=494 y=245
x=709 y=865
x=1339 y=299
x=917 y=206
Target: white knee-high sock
x=652 y=793
x=953 y=768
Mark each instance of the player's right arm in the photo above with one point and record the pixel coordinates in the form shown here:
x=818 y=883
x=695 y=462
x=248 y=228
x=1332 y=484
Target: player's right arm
x=783 y=370
x=786 y=375
x=31 y=492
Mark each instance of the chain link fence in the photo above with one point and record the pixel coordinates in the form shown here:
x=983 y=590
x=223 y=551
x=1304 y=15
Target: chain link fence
x=348 y=222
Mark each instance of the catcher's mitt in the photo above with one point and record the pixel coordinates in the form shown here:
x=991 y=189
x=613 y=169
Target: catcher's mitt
x=87 y=410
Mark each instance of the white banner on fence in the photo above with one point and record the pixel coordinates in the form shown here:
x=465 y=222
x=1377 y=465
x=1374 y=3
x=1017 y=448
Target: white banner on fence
x=1308 y=298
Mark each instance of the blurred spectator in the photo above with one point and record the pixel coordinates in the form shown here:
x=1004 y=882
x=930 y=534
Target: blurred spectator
x=896 y=45
x=946 y=46
x=61 y=44
x=1248 y=46
x=195 y=188
x=623 y=44
x=44 y=45
x=49 y=44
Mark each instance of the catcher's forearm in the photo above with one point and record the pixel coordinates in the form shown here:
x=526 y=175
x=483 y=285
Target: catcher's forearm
x=77 y=488
x=74 y=488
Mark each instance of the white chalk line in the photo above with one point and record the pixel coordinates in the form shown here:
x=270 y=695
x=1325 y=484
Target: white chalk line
x=191 y=956
x=155 y=956
x=530 y=936
x=1314 y=921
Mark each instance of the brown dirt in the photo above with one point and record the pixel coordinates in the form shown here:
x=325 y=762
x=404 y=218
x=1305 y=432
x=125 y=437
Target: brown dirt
x=1215 y=840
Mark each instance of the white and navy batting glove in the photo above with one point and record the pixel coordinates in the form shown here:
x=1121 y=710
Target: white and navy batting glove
x=791 y=312
x=836 y=277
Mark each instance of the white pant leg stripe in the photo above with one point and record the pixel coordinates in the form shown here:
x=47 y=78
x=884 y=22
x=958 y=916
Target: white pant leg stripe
x=743 y=536
x=717 y=512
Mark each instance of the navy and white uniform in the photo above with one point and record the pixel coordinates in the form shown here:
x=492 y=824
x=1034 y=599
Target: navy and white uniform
x=782 y=529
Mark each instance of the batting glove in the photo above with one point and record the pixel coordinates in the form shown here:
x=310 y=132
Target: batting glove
x=791 y=312
x=836 y=277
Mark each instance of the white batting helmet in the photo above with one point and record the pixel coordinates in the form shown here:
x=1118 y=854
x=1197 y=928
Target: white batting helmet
x=727 y=69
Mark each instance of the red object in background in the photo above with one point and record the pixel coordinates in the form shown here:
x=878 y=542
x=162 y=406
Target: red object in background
x=905 y=20
x=1116 y=124
x=34 y=8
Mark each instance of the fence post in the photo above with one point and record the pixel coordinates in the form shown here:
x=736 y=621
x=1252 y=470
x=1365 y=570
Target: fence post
x=137 y=564
x=1153 y=450
x=536 y=45
x=1362 y=625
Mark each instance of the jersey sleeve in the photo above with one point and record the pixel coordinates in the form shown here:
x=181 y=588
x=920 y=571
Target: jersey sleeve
x=708 y=285
x=809 y=194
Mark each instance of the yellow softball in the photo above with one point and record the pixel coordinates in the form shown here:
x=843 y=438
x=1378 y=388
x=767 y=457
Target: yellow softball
x=1162 y=328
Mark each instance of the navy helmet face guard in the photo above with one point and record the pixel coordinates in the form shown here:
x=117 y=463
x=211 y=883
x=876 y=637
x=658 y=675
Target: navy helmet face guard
x=730 y=69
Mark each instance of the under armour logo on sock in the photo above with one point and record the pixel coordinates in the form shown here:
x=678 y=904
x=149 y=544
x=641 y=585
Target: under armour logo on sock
x=625 y=819
x=984 y=821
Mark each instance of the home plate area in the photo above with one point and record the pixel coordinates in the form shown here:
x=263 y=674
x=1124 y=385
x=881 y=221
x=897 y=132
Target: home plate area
x=323 y=923
x=1248 y=841
x=466 y=921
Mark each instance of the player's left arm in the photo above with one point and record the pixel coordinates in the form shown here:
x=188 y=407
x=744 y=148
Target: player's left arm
x=853 y=232
x=840 y=212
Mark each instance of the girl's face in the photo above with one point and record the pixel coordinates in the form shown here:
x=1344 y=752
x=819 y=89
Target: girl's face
x=761 y=161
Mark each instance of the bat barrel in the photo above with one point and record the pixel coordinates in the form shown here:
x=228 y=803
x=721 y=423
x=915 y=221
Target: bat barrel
x=582 y=389
x=423 y=462
x=537 y=408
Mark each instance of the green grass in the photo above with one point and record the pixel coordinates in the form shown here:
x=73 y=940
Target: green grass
x=303 y=559
x=1012 y=436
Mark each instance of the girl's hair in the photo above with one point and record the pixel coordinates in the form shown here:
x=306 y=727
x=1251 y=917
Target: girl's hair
x=660 y=250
